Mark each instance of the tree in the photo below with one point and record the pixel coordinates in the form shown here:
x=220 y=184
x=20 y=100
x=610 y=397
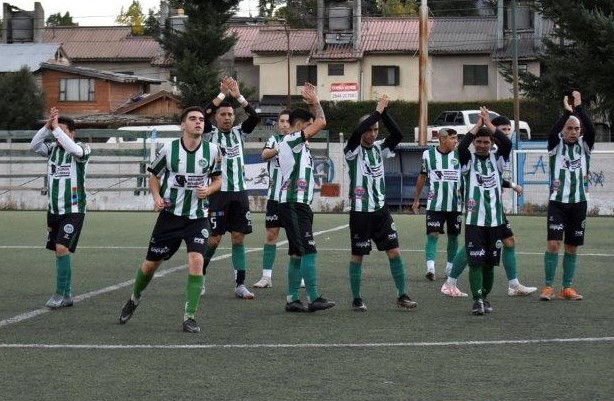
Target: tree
x=133 y=17
x=579 y=57
x=398 y=8
x=196 y=50
x=454 y=8
x=58 y=19
x=21 y=101
x=152 y=24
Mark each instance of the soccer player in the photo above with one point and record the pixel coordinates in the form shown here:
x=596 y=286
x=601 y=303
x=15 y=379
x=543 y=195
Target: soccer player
x=444 y=206
x=370 y=218
x=515 y=289
x=66 y=170
x=178 y=182
x=272 y=222
x=229 y=208
x=296 y=195
x=482 y=171
x=570 y=155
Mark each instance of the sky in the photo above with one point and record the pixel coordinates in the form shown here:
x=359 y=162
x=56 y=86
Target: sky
x=104 y=12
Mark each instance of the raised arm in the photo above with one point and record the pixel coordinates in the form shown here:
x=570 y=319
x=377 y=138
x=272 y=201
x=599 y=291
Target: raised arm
x=215 y=103
x=504 y=144
x=367 y=123
x=253 y=118
x=319 y=121
x=588 y=134
x=464 y=155
x=396 y=136
x=553 y=137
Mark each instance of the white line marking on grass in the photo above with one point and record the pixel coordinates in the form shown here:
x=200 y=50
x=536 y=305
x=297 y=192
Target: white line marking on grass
x=332 y=345
x=161 y=273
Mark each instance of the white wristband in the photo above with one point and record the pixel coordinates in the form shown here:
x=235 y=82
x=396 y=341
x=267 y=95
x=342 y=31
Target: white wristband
x=221 y=96
x=513 y=185
x=241 y=99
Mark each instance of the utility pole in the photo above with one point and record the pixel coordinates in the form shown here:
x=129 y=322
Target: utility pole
x=515 y=73
x=289 y=98
x=423 y=57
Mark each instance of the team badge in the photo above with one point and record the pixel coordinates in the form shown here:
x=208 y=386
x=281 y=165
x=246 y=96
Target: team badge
x=69 y=229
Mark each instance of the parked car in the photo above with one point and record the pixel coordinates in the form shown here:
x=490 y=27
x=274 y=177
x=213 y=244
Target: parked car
x=146 y=130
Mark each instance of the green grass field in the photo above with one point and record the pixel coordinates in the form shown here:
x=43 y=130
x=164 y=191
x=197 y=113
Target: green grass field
x=253 y=350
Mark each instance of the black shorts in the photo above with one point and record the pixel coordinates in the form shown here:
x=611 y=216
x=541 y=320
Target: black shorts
x=436 y=220
x=377 y=226
x=170 y=230
x=272 y=219
x=229 y=211
x=505 y=229
x=568 y=219
x=297 y=219
x=483 y=245
x=64 y=229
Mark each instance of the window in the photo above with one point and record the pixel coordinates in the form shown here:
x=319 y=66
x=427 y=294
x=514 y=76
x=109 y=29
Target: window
x=306 y=73
x=336 y=69
x=77 y=90
x=385 y=75
x=475 y=75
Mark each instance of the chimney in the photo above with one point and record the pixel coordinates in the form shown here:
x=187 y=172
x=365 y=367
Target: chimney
x=39 y=23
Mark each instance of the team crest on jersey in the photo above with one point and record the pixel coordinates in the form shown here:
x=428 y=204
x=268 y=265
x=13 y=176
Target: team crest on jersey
x=454 y=162
x=248 y=217
x=393 y=226
x=499 y=244
x=302 y=184
x=471 y=204
x=459 y=218
x=203 y=162
x=205 y=233
x=69 y=228
x=359 y=192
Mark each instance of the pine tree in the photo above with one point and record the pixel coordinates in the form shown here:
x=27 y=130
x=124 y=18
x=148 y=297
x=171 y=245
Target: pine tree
x=196 y=50
x=21 y=101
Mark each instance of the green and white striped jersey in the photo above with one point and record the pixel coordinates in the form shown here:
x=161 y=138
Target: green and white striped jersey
x=273 y=169
x=366 y=169
x=482 y=180
x=569 y=165
x=296 y=166
x=66 y=180
x=444 y=174
x=233 y=163
x=181 y=172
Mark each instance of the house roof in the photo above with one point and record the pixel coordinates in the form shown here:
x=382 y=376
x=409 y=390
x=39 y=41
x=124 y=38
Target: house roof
x=16 y=55
x=93 y=73
x=146 y=99
x=463 y=35
x=274 y=39
x=95 y=43
x=246 y=34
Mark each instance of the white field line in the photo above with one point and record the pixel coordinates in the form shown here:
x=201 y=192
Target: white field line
x=161 y=273
x=324 y=346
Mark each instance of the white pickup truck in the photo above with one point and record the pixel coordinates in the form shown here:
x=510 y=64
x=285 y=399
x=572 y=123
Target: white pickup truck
x=462 y=121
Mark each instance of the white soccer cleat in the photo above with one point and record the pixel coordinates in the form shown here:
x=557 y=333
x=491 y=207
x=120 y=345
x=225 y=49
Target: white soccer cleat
x=265 y=282
x=452 y=291
x=521 y=291
x=203 y=290
x=242 y=292
x=302 y=283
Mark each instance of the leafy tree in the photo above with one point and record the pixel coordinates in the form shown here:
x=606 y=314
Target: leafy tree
x=398 y=8
x=21 y=101
x=196 y=50
x=58 y=19
x=133 y=17
x=579 y=57
x=266 y=8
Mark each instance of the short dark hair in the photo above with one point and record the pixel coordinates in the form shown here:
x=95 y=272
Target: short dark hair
x=284 y=111
x=69 y=122
x=501 y=120
x=483 y=132
x=184 y=113
x=224 y=103
x=299 y=114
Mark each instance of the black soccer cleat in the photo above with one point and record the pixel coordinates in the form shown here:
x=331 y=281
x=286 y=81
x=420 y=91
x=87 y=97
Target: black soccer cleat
x=358 y=305
x=295 y=306
x=478 y=307
x=190 y=326
x=430 y=276
x=404 y=301
x=127 y=311
x=487 y=307
x=320 y=303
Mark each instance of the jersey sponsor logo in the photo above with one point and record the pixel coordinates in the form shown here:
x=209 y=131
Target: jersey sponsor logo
x=189 y=181
x=311 y=242
x=556 y=227
x=362 y=244
x=198 y=240
x=445 y=175
x=60 y=171
x=69 y=228
x=272 y=217
x=158 y=250
x=302 y=184
x=572 y=165
x=486 y=181
x=233 y=152
x=578 y=233
x=392 y=236
x=431 y=195
x=359 y=192
x=433 y=224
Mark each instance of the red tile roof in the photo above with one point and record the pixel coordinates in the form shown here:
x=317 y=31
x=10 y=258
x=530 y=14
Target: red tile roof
x=384 y=35
x=275 y=40
x=245 y=38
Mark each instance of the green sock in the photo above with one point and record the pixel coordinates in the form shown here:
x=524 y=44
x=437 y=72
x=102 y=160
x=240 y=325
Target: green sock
x=310 y=274
x=430 y=249
x=551 y=260
x=509 y=262
x=569 y=268
x=63 y=268
x=238 y=257
x=476 y=280
x=195 y=283
x=452 y=247
x=489 y=278
x=268 y=256
x=294 y=279
x=140 y=283
x=459 y=263
x=355 y=277
x=398 y=274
